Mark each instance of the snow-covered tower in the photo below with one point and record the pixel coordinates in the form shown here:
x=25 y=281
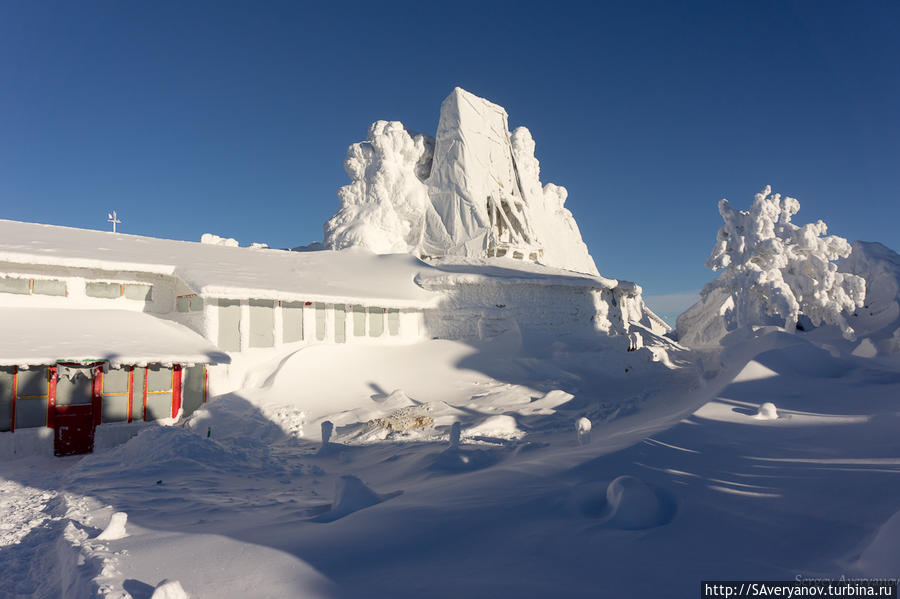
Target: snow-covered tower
x=472 y=192
x=474 y=185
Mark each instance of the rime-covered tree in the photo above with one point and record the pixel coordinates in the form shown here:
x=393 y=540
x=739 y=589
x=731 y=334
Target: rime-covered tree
x=774 y=268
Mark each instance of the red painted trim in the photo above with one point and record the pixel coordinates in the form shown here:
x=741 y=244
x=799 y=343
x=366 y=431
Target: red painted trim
x=307 y=304
x=130 y=391
x=51 y=398
x=205 y=382
x=176 y=389
x=15 y=392
x=97 y=396
x=144 y=417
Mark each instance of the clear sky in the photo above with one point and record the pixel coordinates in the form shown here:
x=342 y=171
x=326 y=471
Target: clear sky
x=234 y=118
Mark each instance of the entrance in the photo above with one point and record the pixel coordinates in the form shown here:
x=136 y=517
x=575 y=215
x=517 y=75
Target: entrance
x=74 y=410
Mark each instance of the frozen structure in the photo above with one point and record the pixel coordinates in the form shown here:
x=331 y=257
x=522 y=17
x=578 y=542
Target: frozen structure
x=773 y=271
x=474 y=191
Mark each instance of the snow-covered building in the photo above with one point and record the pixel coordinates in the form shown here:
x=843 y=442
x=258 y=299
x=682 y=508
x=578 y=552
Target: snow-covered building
x=105 y=328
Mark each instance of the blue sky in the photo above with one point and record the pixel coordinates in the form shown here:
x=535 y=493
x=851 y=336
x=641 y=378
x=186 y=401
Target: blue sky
x=234 y=118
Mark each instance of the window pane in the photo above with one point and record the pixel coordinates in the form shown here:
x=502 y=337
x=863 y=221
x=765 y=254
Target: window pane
x=196 y=303
x=359 y=321
x=340 y=323
x=182 y=303
x=49 y=287
x=320 y=322
x=115 y=381
x=138 y=292
x=262 y=323
x=376 y=322
x=77 y=391
x=291 y=322
x=33 y=382
x=192 y=389
x=21 y=286
x=229 y=325
x=159 y=378
x=393 y=318
x=104 y=290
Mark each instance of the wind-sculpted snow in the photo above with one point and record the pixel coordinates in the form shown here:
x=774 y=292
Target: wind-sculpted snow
x=473 y=190
x=772 y=272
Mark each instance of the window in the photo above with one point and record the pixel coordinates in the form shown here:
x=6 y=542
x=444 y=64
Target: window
x=393 y=318
x=189 y=303
x=115 y=396
x=376 y=322
x=159 y=392
x=7 y=378
x=321 y=328
x=31 y=397
x=262 y=323
x=193 y=388
x=104 y=290
x=340 y=323
x=359 y=321
x=291 y=322
x=229 y=338
x=29 y=286
x=132 y=291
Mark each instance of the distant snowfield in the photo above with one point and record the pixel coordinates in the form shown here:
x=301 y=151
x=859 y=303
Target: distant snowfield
x=677 y=480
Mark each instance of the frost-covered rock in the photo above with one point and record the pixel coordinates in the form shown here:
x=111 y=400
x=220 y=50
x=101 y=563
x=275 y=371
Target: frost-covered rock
x=473 y=191
x=772 y=272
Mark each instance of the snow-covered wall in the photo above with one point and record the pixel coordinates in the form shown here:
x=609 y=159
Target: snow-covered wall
x=474 y=191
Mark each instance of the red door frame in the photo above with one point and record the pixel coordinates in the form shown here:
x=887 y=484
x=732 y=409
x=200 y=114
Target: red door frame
x=176 y=389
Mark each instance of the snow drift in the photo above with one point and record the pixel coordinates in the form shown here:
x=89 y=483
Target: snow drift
x=473 y=191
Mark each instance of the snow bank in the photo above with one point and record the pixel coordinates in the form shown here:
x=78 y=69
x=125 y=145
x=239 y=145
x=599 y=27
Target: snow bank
x=169 y=589
x=351 y=495
x=115 y=530
x=497 y=427
x=475 y=187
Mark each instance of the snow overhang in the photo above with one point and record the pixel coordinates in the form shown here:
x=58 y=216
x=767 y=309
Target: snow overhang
x=42 y=336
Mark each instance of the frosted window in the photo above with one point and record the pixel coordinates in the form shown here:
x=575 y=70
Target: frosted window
x=114 y=406
x=359 y=321
x=196 y=303
x=340 y=323
x=321 y=328
x=115 y=381
x=104 y=290
x=183 y=303
x=262 y=323
x=159 y=392
x=49 y=287
x=142 y=293
x=31 y=404
x=291 y=322
x=75 y=391
x=393 y=318
x=192 y=389
x=229 y=325
x=376 y=322
x=22 y=286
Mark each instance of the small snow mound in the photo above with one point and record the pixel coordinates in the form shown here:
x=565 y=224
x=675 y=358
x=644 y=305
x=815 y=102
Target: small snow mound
x=397 y=400
x=767 y=411
x=211 y=239
x=583 y=431
x=501 y=427
x=169 y=589
x=865 y=349
x=634 y=505
x=115 y=530
x=352 y=495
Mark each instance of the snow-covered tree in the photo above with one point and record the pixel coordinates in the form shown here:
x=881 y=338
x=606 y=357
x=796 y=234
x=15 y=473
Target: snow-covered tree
x=774 y=268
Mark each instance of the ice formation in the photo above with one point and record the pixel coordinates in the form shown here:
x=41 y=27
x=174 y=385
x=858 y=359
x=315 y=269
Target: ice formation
x=472 y=192
x=772 y=272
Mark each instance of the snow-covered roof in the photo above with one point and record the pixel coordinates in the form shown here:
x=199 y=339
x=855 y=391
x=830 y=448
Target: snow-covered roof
x=33 y=336
x=449 y=272
x=220 y=271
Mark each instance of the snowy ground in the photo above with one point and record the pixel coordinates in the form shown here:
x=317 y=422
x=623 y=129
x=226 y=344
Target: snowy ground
x=681 y=481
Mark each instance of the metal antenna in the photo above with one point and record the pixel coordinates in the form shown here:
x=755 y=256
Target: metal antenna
x=111 y=217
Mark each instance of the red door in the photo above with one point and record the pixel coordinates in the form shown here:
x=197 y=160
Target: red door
x=74 y=431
